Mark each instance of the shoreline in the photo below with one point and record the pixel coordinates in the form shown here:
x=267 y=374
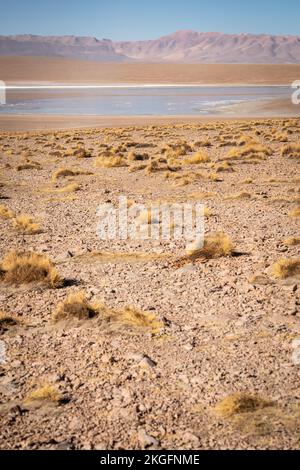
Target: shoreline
x=60 y=86
x=20 y=123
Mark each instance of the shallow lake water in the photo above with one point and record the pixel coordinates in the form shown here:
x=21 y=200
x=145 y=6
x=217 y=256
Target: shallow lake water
x=135 y=101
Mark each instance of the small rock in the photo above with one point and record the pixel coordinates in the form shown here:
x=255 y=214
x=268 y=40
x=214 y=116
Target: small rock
x=146 y=440
x=147 y=362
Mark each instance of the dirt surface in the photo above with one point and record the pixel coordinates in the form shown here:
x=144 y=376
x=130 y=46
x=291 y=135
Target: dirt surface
x=49 y=69
x=227 y=324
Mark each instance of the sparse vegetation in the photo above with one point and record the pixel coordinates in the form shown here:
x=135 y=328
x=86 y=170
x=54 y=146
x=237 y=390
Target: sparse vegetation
x=65 y=172
x=238 y=403
x=257 y=151
x=75 y=306
x=214 y=246
x=5 y=212
x=26 y=224
x=285 y=268
x=295 y=213
x=7 y=321
x=133 y=318
x=69 y=188
x=25 y=267
x=197 y=158
x=292 y=241
x=46 y=393
x=291 y=150
x=110 y=162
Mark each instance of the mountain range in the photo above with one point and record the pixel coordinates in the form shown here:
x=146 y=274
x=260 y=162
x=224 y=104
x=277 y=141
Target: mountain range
x=181 y=46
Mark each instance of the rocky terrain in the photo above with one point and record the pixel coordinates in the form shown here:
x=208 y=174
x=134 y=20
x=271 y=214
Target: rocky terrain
x=181 y=46
x=134 y=344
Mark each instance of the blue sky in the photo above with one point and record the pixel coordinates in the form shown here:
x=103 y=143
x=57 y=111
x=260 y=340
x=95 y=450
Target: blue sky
x=147 y=19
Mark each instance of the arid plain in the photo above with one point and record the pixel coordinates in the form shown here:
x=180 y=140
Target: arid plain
x=138 y=344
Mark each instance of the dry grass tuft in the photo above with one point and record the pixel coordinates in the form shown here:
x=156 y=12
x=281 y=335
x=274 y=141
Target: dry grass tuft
x=291 y=150
x=295 y=213
x=47 y=393
x=132 y=318
x=119 y=257
x=29 y=165
x=238 y=403
x=292 y=241
x=285 y=268
x=257 y=151
x=28 y=267
x=25 y=224
x=65 y=172
x=75 y=306
x=7 y=321
x=110 y=162
x=225 y=166
x=6 y=213
x=247 y=181
x=69 y=188
x=197 y=158
x=203 y=195
x=79 y=152
x=203 y=143
x=241 y=195
x=215 y=246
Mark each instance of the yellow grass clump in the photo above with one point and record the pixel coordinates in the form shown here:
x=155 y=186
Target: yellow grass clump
x=110 y=162
x=75 y=306
x=29 y=165
x=5 y=212
x=215 y=246
x=295 y=213
x=225 y=166
x=285 y=268
x=65 y=172
x=291 y=150
x=203 y=195
x=47 y=393
x=25 y=224
x=69 y=188
x=249 y=151
x=281 y=137
x=151 y=167
x=203 y=143
x=133 y=318
x=79 y=152
x=292 y=241
x=197 y=158
x=28 y=267
x=238 y=403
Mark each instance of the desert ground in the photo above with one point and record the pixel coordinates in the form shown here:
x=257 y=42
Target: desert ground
x=136 y=344
x=61 y=70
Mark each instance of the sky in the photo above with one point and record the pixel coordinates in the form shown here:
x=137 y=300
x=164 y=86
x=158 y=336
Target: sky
x=147 y=19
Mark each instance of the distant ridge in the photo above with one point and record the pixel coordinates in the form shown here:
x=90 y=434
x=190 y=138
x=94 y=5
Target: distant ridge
x=181 y=46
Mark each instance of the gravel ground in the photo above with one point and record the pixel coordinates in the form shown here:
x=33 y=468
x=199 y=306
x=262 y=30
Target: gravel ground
x=222 y=332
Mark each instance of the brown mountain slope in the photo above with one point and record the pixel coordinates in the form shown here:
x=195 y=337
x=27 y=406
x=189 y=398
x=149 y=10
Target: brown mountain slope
x=182 y=46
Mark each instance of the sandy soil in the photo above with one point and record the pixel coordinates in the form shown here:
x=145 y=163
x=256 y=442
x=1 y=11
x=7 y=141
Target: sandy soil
x=36 y=69
x=44 y=122
x=222 y=331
